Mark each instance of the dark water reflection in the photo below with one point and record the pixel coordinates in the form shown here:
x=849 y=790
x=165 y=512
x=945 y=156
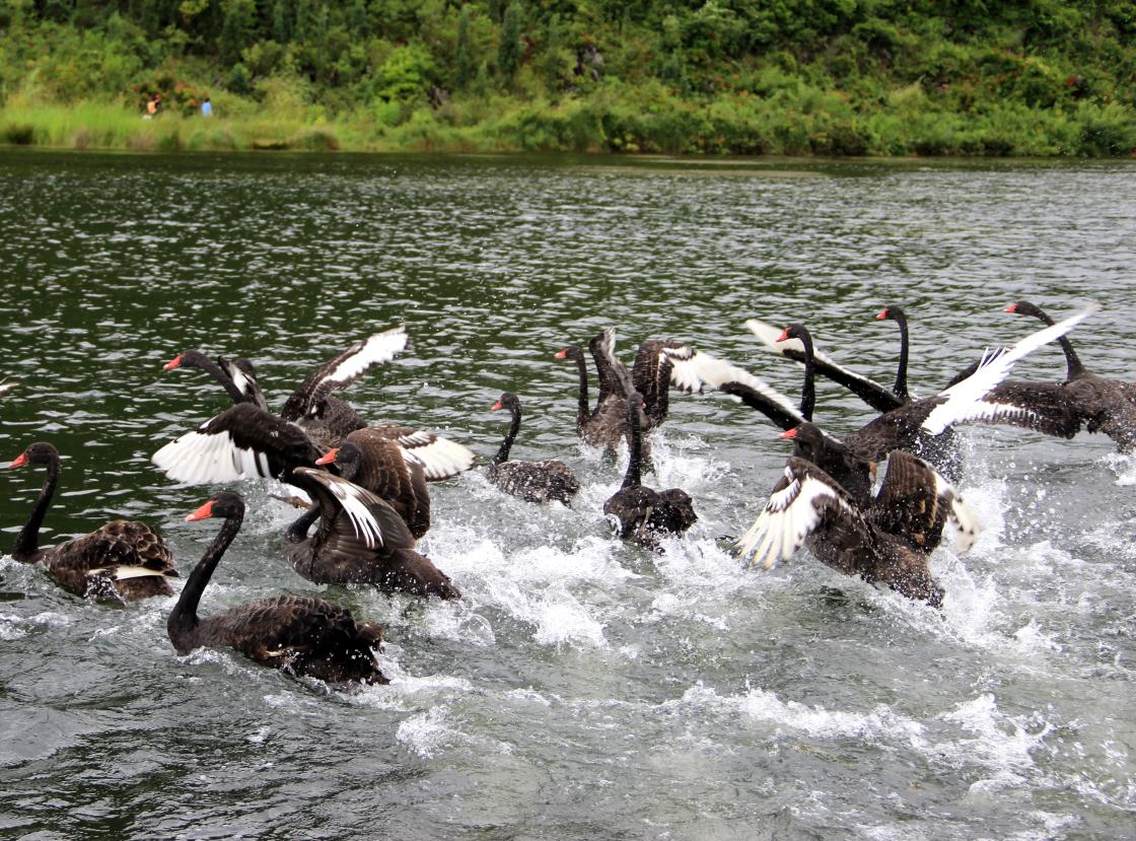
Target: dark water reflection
x=581 y=689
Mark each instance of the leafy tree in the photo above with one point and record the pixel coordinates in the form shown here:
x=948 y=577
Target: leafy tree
x=237 y=29
x=465 y=66
x=509 y=50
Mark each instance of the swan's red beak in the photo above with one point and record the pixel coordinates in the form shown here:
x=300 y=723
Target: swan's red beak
x=561 y=354
x=1012 y=308
x=789 y=434
x=19 y=461
x=496 y=406
x=329 y=457
x=202 y=513
x=173 y=363
x=882 y=314
x=784 y=337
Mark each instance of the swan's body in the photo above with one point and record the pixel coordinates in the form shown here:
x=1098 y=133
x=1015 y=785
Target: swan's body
x=359 y=539
x=299 y=634
x=645 y=514
x=121 y=561
x=532 y=481
x=1105 y=405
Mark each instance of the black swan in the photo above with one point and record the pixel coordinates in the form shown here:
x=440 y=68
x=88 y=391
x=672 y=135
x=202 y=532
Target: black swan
x=301 y=635
x=603 y=426
x=887 y=539
x=923 y=427
x=532 y=481
x=378 y=464
x=1050 y=413
x=650 y=376
x=325 y=418
x=121 y=561
x=360 y=539
x=645 y=514
x=1105 y=405
x=236 y=376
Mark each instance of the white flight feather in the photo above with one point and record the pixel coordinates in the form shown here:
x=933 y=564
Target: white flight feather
x=440 y=458
x=198 y=458
x=240 y=379
x=787 y=520
x=694 y=370
x=967 y=525
x=350 y=498
x=123 y=572
x=964 y=399
x=381 y=347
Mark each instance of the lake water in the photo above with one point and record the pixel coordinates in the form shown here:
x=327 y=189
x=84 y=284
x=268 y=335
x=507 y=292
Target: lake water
x=582 y=688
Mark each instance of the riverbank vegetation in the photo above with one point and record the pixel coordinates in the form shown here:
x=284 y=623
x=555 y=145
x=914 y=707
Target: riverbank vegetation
x=819 y=77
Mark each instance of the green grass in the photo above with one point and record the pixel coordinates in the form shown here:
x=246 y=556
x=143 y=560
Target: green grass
x=806 y=121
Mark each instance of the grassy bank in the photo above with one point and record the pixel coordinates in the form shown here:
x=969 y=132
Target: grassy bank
x=819 y=125
x=818 y=77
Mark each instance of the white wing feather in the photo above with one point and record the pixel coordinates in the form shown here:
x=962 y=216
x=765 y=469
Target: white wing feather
x=376 y=349
x=787 y=520
x=440 y=458
x=964 y=400
x=198 y=459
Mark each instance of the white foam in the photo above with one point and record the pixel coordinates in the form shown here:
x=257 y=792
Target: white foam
x=428 y=733
x=1124 y=466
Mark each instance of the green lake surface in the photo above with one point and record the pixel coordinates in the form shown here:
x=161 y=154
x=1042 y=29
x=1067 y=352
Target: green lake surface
x=582 y=688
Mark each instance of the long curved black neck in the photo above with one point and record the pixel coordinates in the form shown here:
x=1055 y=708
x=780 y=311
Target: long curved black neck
x=901 y=371
x=808 y=388
x=582 y=410
x=514 y=428
x=633 y=477
x=1073 y=366
x=27 y=541
x=183 y=619
x=204 y=363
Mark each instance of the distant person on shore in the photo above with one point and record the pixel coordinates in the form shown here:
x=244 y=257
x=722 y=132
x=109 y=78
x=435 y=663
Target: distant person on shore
x=206 y=108
x=152 y=106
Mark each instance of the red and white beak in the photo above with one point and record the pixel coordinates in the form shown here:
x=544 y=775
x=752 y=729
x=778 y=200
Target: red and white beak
x=789 y=434
x=173 y=363
x=784 y=337
x=882 y=314
x=496 y=406
x=329 y=457
x=1011 y=308
x=560 y=354
x=202 y=513
x=19 y=461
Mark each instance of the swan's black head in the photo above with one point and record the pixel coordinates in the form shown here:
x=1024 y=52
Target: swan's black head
x=225 y=504
x=891 y=313
x=572 y=352
x=807 y=438
x=1031 y=310
x=347 y=457
x=187 y=358
x=38 y=453
x=507 y=400
x=795 y=331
